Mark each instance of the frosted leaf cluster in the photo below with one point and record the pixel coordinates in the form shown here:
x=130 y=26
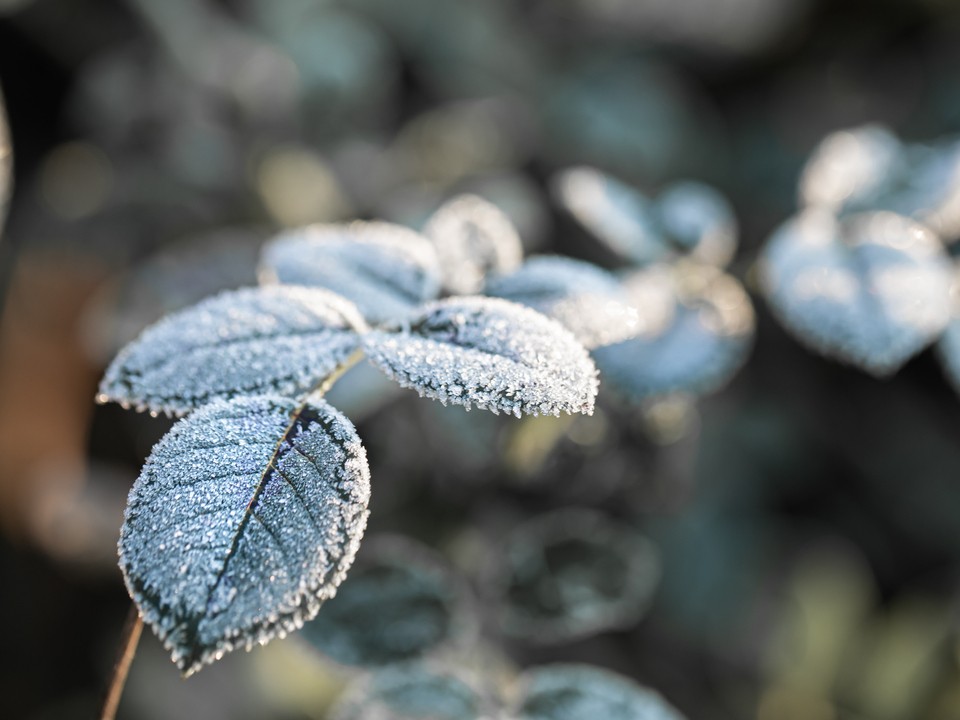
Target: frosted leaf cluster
x=6 y=164
x=575 y=692
x=588 y=301
x=685 y=219
x=870 y=289
x=278 y=339
x=243 y=521
x=472 y=237
x=701 y=331
x=868 y=168
x=488 y=353
x=414 y=691
x=401 y=602
x=385 y=270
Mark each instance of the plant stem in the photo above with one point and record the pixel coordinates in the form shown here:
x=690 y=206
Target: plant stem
x=128 y=648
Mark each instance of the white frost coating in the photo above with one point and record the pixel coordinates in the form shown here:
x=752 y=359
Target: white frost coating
x=473 y=237
x=245 y=518
x=488 y=353
x=871 y=290
x=385 y=269
x=848 y=166
x=584 y=298
x=699 y=220
x=704 y=336
x=6 y=164
x=614 y=212
x=279 y=339
x=578 y=692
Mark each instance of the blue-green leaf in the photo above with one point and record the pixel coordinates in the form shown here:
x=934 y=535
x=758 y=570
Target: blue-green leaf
x=871 y=289
x=473 y=237
x=574 y=573
x=577 y=692
x=401 y=602
x=413 y=691
x=488 y=353
x=700 y=328
x=386 y=270
x=582 y=297
x=279 y=339
x=699 y=221
x=245 y=518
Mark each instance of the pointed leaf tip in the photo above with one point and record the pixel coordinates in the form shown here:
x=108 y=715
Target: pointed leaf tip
x=245 y=518
x=491 y=354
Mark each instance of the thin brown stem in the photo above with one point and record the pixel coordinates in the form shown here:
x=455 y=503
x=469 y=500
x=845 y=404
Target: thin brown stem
x=128 y=648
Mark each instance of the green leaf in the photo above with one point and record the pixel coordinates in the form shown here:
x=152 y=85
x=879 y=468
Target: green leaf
x=280 y=339
x=245 y=518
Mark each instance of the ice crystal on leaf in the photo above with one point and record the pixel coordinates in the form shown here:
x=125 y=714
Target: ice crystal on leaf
x=278 y=339
x=576 y=692
x=385 y=269
x=701 y=326
x=871 y=289
x=473 y=237
x=584 y=298
x=243 y=521
x=488 y=353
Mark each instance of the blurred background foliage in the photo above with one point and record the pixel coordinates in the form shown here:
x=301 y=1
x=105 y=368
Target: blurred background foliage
x=788 y=548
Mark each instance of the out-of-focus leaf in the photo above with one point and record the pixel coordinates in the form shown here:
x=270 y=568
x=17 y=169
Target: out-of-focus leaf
x=488 y=353
x=6 y=164
x=401 y=602
x=871 y=289
x=703 y=326
x=386 y=270
x=948 y=347
x=584 y=298
x=868 y=168
x=473 y=237
x=699 y=220
x=575 y=573
x=849 y=166
x=414 y=691
x=687 y=218
x=245 y=518
x=279 y=339
x=577 y=692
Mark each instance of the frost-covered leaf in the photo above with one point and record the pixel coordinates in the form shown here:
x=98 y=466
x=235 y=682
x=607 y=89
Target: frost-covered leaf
x=245 y=518
x=574 y=573
x=6 y=164
x=473 y=237
x=849 y=166
x=699 y=220
x=584 y=298
x=687 y=218
x=279 y=339
x=413 y=691
x=577 y=692
x=617 y=214
x=871 y=289
x=703 y=326
x=401 y=602
x=868 y=168
x=488 y=353
x=386 y=270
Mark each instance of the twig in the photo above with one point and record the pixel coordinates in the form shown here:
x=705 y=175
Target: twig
x=128 y=648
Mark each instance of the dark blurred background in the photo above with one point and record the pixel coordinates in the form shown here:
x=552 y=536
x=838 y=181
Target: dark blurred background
x=807 y=519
